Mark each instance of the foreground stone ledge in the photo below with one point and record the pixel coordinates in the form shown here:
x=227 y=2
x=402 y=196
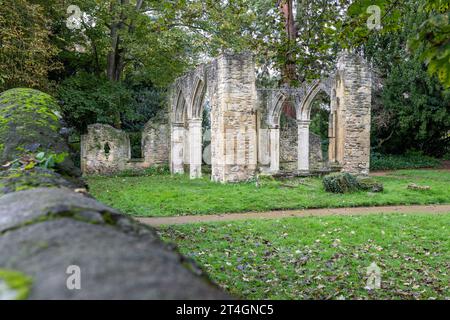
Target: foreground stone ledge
x=43 y=231
x=48 y=223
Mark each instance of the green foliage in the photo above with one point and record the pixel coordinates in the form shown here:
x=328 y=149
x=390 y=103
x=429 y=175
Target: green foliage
x=433 y=38
x=48 y=161
x=313 y=50
x=136 y=144
x=410 y=160
x=166 y=195
x=419 y=111
x=369 y=184
x=428 y=37
x=322 y=258
x=340 y=183
x=86 y=99
x=26 y=52
x=410 y=110
x=18 y=285
x=155 y=170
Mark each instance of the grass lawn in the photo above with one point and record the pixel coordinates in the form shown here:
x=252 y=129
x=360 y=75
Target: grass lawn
x=165 y=195
x=323 y=258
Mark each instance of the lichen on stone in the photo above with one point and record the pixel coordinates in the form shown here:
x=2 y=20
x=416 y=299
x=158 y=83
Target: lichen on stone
x=14 y=285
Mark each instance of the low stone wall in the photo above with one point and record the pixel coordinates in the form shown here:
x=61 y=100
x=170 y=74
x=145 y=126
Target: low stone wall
x=106 y=150
x=52 y=233
x=156 y=143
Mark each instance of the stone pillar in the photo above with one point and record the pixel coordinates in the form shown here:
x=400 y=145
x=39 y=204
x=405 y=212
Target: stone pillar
x=233 y=120
x=274 y=137
x=176 y=164
x=195 y=148
x=354 y=101
x=331 y=139
x=303 y=145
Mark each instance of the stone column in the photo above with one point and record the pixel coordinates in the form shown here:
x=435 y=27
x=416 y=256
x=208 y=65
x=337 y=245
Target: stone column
x=176 y=164
x=274 y=138
x=195 y=148
x=354 y=102
x=303 y=145
x=233 y=120
x=331 y=139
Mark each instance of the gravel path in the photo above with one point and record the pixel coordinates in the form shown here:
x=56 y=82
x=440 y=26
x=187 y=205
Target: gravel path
x=417 y=209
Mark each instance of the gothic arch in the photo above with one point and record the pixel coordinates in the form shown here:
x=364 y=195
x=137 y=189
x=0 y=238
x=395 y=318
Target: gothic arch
x=196 y=108
x=276 y=102
x=304 y=106
x=179 y=107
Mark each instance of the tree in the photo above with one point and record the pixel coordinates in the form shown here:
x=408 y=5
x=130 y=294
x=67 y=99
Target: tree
x=26 y=53
x=296 y=38
x=410 y=108
x=430 y=37
x=434 y=36
x=419 y=111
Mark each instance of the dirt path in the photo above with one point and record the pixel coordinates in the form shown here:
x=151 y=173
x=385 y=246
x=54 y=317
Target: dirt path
x=426 y=209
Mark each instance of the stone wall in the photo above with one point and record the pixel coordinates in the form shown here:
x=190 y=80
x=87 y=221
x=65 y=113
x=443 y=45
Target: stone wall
x=354 y=85
x=245 y=122
x=233 y=134
x=228 y=82
x=50 y=230
x=289 y=153
x=288 y=145
x=156 y=143
x=106 y=150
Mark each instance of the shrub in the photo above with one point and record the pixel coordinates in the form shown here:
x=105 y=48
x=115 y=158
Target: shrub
x=86 y=99
x=369 y=184
x=340 y=183
x=408 y=161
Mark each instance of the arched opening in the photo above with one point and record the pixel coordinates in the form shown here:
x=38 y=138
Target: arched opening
x=196 y=130
x=288 y=137
x=178 y=142
x=319 y=132
x=107 y=149
x=206 y=137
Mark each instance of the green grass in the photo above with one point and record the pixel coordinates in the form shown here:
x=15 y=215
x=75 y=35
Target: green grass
x=165 y=195
x=323 y=258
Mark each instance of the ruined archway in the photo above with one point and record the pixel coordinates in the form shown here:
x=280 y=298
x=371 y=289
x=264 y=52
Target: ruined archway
x=349 y=92
x=227 y=85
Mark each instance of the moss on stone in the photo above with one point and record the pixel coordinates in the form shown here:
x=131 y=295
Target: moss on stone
x=19 y=180
x=30 y=122
x=15 y=285
x=26 y=117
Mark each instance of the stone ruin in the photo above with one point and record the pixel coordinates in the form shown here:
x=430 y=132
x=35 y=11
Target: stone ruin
x=106 y=150
x=244 y=125
x=245 y=121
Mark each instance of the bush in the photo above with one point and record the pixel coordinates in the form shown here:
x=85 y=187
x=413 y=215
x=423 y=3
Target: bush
x=86 y=99
x=408 y=161
x=340 y=183
x=369 y=184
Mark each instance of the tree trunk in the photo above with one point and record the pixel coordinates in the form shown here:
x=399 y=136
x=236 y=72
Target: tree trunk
x=288 y=72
